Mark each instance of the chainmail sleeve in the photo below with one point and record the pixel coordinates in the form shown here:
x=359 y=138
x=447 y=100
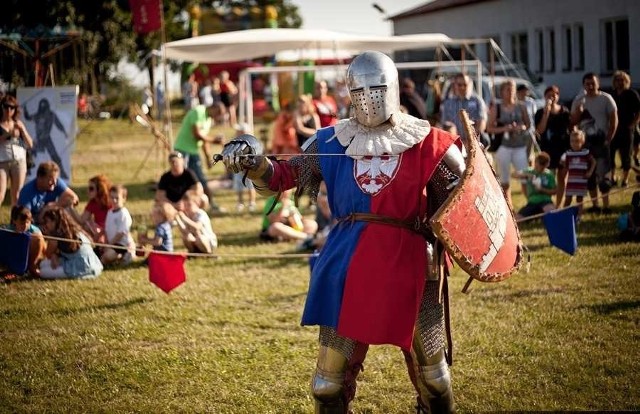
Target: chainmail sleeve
x=308 y=167
x=430 y=325
x=442 y=182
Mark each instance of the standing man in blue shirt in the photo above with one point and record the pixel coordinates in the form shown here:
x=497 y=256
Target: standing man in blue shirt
x=464 y=98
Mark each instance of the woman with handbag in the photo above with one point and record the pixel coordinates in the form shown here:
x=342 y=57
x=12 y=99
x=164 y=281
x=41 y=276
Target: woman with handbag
x=14 y=143
x=510 y=120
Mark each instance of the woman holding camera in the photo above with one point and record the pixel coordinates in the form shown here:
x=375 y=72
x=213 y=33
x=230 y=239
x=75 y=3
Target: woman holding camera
x=509 y=119
x=552 y=129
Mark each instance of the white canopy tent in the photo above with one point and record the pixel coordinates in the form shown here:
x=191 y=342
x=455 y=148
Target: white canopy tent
x=256 y=43
x=285 y=44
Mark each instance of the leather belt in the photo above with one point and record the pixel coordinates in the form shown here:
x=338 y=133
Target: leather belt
x=415 y=225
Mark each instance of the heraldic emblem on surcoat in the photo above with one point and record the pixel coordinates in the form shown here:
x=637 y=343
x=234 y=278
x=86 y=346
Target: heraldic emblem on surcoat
x=374 y=173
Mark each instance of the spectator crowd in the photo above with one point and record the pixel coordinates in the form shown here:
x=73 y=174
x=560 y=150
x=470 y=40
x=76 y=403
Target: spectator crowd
x=556 y=153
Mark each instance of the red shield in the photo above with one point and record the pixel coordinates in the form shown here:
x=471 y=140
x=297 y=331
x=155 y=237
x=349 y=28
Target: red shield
x=476 y=224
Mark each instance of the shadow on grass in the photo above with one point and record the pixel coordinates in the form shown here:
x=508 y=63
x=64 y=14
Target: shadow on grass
x=267 y=263
x=609 y=308
x=287 y=298
x=106 y=306
x=242 y=239
x=7 y=277
x=500 y=296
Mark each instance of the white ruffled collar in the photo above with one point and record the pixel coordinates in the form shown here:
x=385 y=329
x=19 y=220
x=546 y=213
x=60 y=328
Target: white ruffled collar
x=401 y=133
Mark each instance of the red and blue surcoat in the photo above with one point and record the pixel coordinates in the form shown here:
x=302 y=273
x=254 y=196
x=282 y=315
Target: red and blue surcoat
x=368 y=281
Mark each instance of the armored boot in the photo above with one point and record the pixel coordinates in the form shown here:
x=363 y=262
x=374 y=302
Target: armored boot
x=434 y=386
x=334 y=382
x=328 y=382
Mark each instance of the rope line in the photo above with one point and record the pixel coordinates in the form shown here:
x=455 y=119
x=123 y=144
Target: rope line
x=185 y=254
x=283 y=255
x=621 y=190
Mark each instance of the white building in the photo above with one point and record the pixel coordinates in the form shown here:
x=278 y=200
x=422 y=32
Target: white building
x=556 y=40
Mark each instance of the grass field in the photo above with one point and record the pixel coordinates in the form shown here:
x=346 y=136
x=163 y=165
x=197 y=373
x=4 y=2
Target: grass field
x=562 y=336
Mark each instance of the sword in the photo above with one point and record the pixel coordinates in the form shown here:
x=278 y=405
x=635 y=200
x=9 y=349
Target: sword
x=215 y=158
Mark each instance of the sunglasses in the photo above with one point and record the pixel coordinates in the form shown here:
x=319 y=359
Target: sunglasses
x=91 y=188
x=7 y=106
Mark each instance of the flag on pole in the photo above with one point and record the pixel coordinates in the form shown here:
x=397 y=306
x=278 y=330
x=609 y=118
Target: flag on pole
x=561 y=229
x=166 y=270
x=146 y=15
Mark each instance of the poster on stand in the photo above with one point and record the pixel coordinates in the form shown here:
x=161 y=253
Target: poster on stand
x=50 y=115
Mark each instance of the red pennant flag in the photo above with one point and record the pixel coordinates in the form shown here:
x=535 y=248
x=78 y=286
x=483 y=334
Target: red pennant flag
x=166 y=270
x=146 y=15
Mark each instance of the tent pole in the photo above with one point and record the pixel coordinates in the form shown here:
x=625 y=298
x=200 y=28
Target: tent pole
x=166 y=119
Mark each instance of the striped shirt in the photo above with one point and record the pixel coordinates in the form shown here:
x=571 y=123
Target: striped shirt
x=577 y=164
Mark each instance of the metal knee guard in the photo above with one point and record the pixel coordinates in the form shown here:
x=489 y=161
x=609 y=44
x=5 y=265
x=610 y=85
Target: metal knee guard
x=328 y=382
x=433 y=382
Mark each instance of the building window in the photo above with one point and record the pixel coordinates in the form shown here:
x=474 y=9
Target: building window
x=551 y=57
x=615 y=45
x=520 y=48
x=567 y=48
x=579 y=46
x=540 y=47
x=546 y=50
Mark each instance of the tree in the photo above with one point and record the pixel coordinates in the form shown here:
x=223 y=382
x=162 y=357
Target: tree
x=105 y=32
x=103 y=29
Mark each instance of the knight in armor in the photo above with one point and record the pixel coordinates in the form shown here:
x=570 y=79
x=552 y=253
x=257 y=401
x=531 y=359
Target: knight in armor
x=376 y=280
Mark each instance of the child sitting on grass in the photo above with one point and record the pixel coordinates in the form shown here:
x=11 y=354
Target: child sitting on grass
x=118 y=229
x=70 y=254
x=22 y=222
x=195 y=226
x=162 y=240
x=284 y=222
x=540 y=184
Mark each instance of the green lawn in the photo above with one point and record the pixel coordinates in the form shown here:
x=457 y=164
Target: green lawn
x=562 y=336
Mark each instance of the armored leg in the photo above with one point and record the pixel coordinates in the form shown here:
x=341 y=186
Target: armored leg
x=334 y=381
x=433 y=384
x=426 y=362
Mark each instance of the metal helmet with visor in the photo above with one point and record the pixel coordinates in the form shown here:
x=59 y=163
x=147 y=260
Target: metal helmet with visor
x=372 y=79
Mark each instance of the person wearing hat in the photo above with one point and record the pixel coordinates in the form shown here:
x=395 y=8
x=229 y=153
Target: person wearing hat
x=176 y=182
x=194 y=136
